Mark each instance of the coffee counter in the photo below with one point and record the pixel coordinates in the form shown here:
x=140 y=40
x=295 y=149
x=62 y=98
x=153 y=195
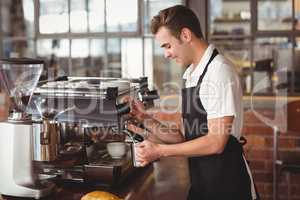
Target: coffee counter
x=165 y=180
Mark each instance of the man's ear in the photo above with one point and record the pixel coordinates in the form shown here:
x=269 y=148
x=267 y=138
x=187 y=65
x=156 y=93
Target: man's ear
x=186 y=35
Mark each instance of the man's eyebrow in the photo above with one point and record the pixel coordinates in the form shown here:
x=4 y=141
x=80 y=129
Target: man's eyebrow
x=164 y=45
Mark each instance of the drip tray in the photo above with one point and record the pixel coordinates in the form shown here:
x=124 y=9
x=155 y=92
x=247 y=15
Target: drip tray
x=108 y=171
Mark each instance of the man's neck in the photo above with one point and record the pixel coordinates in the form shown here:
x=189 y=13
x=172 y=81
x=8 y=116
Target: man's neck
x=200 y=47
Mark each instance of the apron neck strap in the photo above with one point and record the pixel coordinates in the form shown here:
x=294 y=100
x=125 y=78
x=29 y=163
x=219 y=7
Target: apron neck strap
x=214 y=54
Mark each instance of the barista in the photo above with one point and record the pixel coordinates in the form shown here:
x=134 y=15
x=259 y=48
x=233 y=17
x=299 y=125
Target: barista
x=212 y=113
x=4 y=106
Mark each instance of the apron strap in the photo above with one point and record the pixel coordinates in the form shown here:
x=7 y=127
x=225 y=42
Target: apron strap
x=214 y=54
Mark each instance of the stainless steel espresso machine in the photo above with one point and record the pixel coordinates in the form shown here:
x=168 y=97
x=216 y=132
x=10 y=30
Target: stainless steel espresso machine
x=58 y=130
x=19 y=78
x=86 y=113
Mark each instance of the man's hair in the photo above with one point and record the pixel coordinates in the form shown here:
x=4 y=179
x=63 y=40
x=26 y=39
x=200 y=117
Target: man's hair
x=176 y=18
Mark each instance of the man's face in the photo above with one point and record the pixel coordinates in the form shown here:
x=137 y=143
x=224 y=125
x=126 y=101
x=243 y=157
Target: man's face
x=174 y=48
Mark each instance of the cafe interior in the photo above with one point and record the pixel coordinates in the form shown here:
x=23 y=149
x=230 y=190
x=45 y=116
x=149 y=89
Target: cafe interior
x=80 y=43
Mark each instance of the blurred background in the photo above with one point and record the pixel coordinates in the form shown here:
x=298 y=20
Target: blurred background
x=111 y=38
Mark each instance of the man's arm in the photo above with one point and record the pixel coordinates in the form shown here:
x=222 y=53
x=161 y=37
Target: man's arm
x=212 y=143
x=157 y=131
x=168 y=133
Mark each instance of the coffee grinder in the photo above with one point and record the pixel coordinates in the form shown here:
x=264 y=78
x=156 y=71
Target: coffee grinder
x=19 y=77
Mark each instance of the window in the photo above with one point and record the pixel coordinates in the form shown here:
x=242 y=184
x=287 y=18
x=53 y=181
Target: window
x=122 y=15
x=229 y=18
x=88 y=37
x=274 y=15
x=82 y=16
x=53 y=16
x=261 y=38
x=167 y=75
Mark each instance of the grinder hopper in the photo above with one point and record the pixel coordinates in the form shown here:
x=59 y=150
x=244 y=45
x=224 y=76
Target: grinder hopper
x=19 y=77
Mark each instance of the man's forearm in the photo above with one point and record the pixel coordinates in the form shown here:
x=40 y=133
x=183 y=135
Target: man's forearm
x=212 y=143
x=206 y=145
x=167 y=133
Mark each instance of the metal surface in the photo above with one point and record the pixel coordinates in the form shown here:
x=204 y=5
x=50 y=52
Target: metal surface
x=83 y=86
x=16 y=169
x=83 y=135
x=135 y=139
x=18 y=117
x=92 y=100
x=46 y=140
x=108 y=171
x=134 y=160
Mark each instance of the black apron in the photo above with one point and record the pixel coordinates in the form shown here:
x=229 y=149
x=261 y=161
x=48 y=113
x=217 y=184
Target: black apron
x=214 y=177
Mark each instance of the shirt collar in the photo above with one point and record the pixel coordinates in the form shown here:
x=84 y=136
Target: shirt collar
x=201 y=65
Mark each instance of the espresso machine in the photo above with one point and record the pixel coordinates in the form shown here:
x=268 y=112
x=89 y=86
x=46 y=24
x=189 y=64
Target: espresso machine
x=58 y=130
x=19 y=78
x=86 y=113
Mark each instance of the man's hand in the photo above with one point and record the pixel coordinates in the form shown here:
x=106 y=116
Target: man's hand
x=147 y=152
x=137 y=109
x=4 y=106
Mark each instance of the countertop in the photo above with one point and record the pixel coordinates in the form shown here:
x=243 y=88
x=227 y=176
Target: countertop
x=166 y=179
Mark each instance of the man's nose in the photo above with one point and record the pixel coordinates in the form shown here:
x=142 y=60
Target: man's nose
x=167 y=54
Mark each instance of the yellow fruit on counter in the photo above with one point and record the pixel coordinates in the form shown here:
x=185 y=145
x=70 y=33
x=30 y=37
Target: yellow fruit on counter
x=100 y=195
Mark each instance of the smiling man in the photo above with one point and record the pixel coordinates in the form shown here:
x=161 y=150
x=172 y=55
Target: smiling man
x=212 y=113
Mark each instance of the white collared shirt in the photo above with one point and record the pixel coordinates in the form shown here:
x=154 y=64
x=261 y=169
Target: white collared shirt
x=220 y=91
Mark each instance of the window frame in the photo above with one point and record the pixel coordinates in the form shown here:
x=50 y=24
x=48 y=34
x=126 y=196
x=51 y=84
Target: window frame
x=255 y=33
x=103 y=34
